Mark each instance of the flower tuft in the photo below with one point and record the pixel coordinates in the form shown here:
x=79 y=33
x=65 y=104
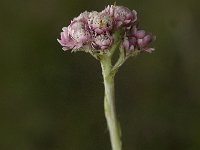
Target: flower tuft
x=79 y=32
x=100 y=22
x=122 y=15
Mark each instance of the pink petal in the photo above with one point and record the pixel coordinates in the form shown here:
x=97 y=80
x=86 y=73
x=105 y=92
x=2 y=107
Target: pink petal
x=126 y=44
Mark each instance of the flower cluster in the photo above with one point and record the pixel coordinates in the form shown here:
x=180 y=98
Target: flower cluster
x=96 y=30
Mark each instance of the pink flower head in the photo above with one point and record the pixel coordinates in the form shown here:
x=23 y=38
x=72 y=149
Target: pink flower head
x=95 y=31
x=78 y=30
x=66 y=41
x=122 y=15
x=100 y=22
x=102 y=41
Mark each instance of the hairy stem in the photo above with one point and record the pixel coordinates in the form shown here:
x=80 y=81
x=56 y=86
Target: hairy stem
x=109 y=103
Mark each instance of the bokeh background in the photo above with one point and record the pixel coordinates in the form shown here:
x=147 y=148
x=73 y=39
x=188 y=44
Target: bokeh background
x=53 y=100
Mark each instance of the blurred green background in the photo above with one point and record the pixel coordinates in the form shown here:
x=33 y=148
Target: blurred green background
x=53 y=100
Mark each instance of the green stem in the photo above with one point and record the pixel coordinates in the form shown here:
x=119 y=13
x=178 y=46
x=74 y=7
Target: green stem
x=109 y=103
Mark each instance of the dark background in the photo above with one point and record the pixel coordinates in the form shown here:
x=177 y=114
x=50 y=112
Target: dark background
x=53 y=100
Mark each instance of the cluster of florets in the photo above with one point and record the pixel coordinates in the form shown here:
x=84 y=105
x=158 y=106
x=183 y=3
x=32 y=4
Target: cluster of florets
x=96 y=30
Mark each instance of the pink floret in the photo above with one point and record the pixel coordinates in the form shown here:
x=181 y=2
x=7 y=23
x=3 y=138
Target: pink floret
x=65 y=40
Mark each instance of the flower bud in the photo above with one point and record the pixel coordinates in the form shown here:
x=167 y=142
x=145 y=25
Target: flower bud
x=129 y=43
x=139 y=34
